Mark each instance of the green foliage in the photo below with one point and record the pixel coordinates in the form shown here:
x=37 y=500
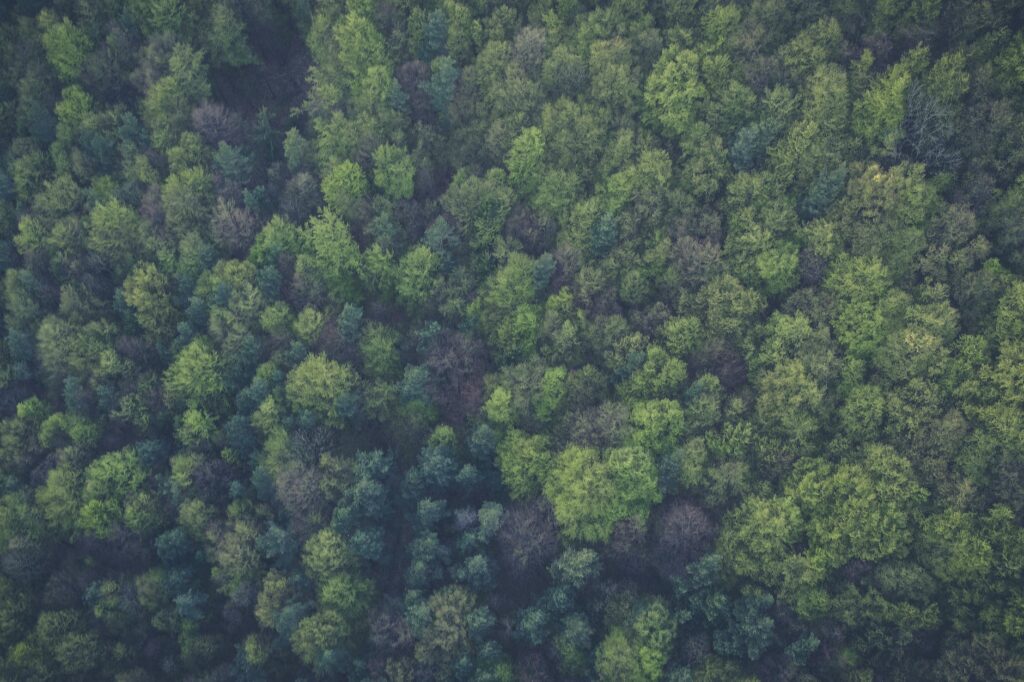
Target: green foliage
x=393 y=172
x=331 y=255
x=440 y=88
x=117 y=235
x=525 y=462
x=486 y=341
x=657 y=424
x=551 y=393
x=760 y=535
x=829 y=516
x=660 y=376
x=416 y=277
x=146 y=292
x=505 y=307
x=616 y=659
x=525 y=161
x=60 y=498
x=860 y=511
x=479 y=206
x=790 y=405
x=324 y=555
x=193 y=378
x=226 y=39
x=445 y=632
x=377 y=346
x=729 y=306
x=168 y=102
x=322 y=387
x=878 y=114
x=67 y=46
x=188 y=200
x=866 y=306
x=591 y=491
x=343 y=187
x=885 y=214
x=112 y=496
x=361 y=46
x=640 y=651
x=956 y=551
x=673 y=91
x=309 y=323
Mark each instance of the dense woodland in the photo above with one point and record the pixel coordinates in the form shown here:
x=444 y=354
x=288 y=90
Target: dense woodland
x=401 y=341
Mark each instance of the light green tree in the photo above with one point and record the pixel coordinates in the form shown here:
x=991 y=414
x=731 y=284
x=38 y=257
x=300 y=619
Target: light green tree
x=193 y=378
x=393 y=171
x=320 y=386
x=591 y=491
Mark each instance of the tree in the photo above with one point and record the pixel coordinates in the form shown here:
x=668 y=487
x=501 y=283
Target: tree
x=188 y=200
x=479 y=206
x=332 y=256
x=325 y=554
x=193 y=378
x=660 y=376
x=378 y=348
x=317 y=638
x=657 y=424
x=956 y=552
x=343 y=187
x=393 y=171
x=591 y=491
x=117 y=235
x=812 y=46
x=573 y=644
x=882 y=490
x=444 y=636
x=322 y=387
x=361 y=45
x=866 y=305
x=680 y=533
x=60 y=498
x=673 y=91
x=444 y=75
x=524 y=461
x=790 y=405
x=169 y=101
x=146 y=292
x=729 y=306
x=878 y=115
x=488 y=341
x=112 y=496
x=758 y=537
x=236 y=561
x=234 y=165
x=616 y=659
x=748 y=630
x=417 y=277
x=825 y=507
x=66 y=45
x=639 y=651
x=505 y=307
x=226 y=38
x=525 y=161
x=528 y=538
x=59 y=644
x=885 y=213
x=551 y=395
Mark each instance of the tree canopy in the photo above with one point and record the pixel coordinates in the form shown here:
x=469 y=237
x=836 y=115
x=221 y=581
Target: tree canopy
x=483 y=341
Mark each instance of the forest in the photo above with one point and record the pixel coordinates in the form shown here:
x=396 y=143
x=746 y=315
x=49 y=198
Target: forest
x=528 y=341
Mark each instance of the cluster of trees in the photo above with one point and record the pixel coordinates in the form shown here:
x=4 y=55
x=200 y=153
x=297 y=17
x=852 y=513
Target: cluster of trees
x=477 y=340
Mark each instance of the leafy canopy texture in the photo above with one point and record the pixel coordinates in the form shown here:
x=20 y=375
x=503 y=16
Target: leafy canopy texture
x=623 y=479
x=630 y=341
